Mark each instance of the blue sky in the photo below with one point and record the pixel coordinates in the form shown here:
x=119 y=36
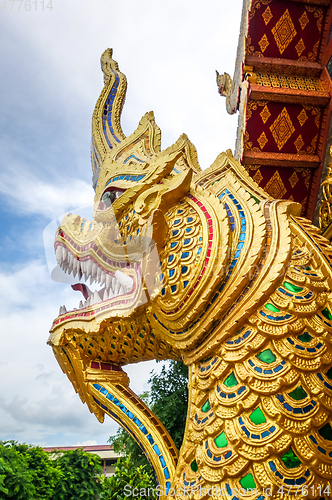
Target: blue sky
x=50 y=81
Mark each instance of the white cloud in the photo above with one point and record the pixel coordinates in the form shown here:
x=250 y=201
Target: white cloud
x=50 y=82
x=34 y=196
x=86 y=443
x=37 y=402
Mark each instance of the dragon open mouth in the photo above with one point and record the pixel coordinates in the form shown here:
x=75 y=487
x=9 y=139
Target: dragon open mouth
x=112 y=284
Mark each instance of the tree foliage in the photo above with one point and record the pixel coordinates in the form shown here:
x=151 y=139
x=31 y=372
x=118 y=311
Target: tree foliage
x=80 y=473
x=26 y=472
x=29 y=473
x=168 y=399
x=128 y=481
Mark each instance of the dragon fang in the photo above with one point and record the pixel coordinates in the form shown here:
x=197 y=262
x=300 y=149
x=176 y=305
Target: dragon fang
x=202 y=266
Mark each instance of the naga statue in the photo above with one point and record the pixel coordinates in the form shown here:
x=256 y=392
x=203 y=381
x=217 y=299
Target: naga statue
x=200 y=266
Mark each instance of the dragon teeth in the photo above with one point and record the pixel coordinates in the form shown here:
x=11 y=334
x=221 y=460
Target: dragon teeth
x=116 y=285
x=96 y=298
x=62 y=310
x=102 y=279
x=89 y=267
x=125 y=281
x=117 y=288
x=108 y=280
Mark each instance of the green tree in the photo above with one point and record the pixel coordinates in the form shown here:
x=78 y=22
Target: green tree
x=80 y=476
x=16 y=478
x=168 y=399
x=44 y=472
x=128 y=482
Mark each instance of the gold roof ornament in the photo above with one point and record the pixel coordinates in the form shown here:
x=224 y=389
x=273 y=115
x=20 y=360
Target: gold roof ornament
x=325 y=210
x=201 y=266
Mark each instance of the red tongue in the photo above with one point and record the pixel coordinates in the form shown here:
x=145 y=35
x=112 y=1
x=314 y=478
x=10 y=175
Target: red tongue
x=81 y=287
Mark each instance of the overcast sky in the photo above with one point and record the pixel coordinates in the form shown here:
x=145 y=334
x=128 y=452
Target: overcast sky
x=50 y=81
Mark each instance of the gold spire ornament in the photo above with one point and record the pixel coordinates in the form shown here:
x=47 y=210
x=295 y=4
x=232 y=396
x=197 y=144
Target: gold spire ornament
x=205 y=267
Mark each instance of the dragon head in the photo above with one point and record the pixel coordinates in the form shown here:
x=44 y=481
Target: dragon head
x=162 y=245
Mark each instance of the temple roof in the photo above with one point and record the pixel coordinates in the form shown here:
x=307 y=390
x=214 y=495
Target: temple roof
x=282 y=91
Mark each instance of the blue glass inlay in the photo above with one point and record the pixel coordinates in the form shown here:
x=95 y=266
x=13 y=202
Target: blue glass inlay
x=156 y=449
x=137 y=422
x=150 y=439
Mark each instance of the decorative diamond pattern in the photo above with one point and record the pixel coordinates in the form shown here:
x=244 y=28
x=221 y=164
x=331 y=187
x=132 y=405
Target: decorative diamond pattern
x=258 y=176
x=282 y=128
x=275 y=187
x=265 y=114
x=262 y=140
x=303 y=20
x=263 y=43
x=284 y=31
x=267 y=16
x=299 y=47
x=299 y=143
x=302 y=117
x=293 y=180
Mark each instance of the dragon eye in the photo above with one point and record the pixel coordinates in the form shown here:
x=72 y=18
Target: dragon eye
x=110 y=196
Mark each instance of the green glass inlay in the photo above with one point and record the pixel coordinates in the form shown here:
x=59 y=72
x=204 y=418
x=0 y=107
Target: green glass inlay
x=305 y=337
x=266 y=356
x=194 y=466
x=231 y=381
x=329 y=373
x=291 y=287
x=272 y=308
x=206 y=360
x=326 y=312
x=298 y=394
x=253 y=197
x=307 y=268
x=206 y=406
x=326 y=432
x=221 y=440
x=257 y=417
x=290 y=459
x=248 y=482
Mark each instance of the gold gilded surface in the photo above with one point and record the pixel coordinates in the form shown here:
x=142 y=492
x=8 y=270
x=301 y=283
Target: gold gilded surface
x=325 y=210
x=282 y=128
x=284 y=31
x=223 y=277
x=288 y=82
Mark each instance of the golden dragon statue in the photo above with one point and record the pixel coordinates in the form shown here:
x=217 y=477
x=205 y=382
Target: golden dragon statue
x=204 y=267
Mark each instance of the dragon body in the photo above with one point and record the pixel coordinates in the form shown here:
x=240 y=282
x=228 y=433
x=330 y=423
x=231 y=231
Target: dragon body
x=204 y=267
